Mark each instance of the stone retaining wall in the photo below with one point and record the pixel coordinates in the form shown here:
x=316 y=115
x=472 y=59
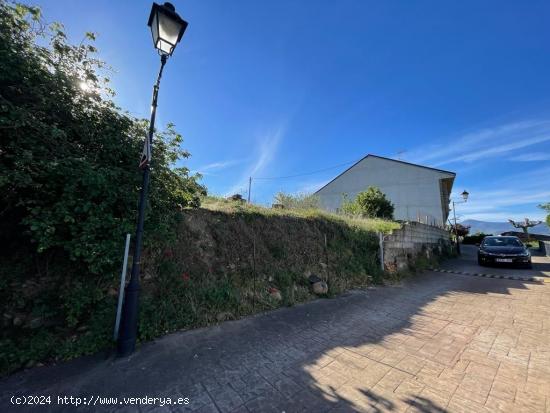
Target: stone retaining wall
x=403 y=246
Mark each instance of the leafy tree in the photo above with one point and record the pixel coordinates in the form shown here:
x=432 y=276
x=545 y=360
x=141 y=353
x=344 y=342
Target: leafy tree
x=461 y=230
x=371 y=203
x=546 y=207
x=475 y=238
x=69 y=182
x=297 y=201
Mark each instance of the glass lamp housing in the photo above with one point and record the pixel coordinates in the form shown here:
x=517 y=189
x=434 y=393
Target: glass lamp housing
x=167 y=27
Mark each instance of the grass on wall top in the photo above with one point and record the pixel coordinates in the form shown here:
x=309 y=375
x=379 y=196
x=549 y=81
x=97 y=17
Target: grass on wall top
x=366 y=224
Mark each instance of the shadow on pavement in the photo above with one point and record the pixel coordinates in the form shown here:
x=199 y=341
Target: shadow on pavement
x=423 y=405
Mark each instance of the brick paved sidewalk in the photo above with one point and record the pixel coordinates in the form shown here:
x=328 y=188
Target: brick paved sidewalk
x=438 y=343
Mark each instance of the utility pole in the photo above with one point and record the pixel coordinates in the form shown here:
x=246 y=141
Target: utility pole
x=249 y=188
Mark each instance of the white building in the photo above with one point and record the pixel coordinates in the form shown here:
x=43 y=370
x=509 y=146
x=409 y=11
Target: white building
x=419 y=193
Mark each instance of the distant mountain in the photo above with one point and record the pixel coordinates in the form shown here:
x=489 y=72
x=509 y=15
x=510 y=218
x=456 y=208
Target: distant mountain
x=497 y=228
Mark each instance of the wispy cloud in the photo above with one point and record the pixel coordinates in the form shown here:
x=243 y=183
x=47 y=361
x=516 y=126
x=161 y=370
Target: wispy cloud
x=267 y=147
x=218 y=166
x=518 y=198
x=485 y=143
x=505 y=216
x=494 y=200
x=530 y=157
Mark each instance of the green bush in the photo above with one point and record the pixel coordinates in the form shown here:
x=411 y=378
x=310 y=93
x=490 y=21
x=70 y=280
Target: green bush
x=371 y=203
x=546 y=207
x=69 y=183
x=475 y=238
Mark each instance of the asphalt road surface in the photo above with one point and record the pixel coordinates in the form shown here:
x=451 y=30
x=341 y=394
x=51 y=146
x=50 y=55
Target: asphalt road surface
x=467 y=262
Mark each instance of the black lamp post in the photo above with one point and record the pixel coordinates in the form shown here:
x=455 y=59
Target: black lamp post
x=465 y=197
x=167 y=28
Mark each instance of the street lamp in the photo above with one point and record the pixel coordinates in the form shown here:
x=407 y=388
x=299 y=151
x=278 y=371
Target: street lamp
x=464 y=195
x=167 y=28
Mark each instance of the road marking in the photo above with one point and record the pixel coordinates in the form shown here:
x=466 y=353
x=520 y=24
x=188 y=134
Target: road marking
x=499 y=276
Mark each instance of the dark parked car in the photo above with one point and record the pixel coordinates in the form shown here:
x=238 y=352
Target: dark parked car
x=503 y=250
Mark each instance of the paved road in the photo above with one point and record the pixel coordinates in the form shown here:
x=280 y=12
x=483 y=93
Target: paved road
x=437 y=343
x=468 y=263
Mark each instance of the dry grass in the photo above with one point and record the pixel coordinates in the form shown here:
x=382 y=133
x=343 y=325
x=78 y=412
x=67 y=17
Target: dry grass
x=228 y=206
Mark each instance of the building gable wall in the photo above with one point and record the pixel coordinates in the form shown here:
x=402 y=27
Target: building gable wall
x=414 y=191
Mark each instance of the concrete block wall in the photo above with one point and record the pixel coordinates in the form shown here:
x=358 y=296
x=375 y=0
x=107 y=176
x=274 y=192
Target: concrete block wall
x=403 y=246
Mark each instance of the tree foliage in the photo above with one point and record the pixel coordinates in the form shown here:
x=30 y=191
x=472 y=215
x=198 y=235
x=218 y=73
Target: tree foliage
x=461 y=230
x=546 y=207
x=474 y=239
x=69 y=178
x=371 y=203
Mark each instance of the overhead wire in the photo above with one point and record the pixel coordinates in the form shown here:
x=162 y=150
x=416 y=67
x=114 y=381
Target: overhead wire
x=305 y=173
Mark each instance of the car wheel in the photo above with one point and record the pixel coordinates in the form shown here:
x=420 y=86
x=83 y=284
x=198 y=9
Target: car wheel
x=480 y=263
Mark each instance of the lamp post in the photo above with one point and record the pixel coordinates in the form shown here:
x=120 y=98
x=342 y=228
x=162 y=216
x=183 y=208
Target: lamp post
x=167 y=28
x=465 y=197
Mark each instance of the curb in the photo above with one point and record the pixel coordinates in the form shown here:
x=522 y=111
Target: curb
x=498 y=276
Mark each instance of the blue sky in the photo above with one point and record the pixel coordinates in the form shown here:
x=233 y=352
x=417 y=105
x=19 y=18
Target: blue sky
x=282 y=88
